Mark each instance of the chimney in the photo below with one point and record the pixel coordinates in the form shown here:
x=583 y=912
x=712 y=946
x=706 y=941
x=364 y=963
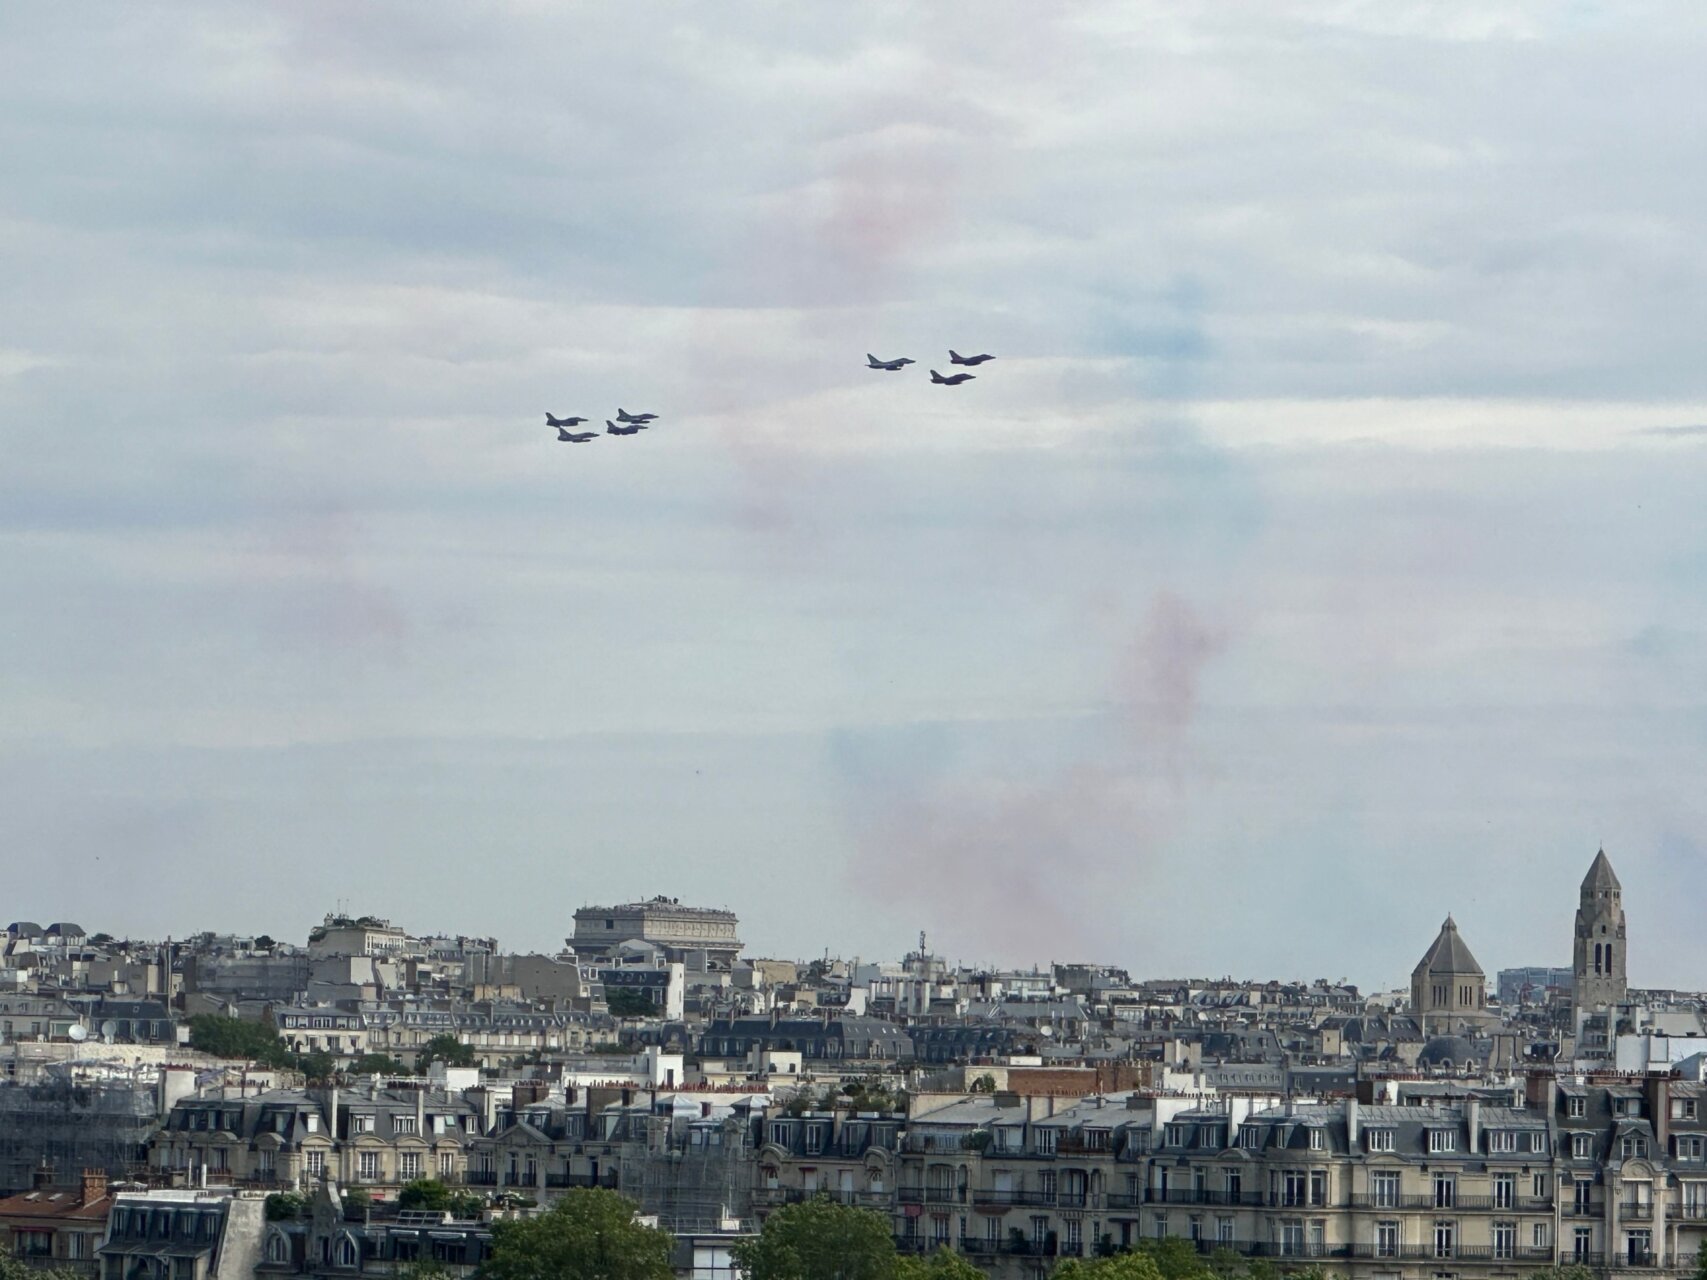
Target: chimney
x=43 y=1176
x=1473 y=1117
x=94 y=1185
x=1351 y=1122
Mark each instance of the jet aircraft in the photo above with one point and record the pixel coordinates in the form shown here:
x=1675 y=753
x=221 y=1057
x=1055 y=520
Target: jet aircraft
x=893 y=366
x=577 y=437
x=563 y=422
x=953 y=379
x=623 y=415
x=611 y=429
x=955 y=358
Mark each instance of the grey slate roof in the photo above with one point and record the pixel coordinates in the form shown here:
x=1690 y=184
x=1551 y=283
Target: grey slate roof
x=1449 y=955
x=1600 y=875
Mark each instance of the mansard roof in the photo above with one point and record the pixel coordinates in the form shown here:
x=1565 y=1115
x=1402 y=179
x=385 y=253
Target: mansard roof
x=1449 y=954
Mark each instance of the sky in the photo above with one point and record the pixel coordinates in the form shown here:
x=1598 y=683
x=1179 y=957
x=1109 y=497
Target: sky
x=1324 y=551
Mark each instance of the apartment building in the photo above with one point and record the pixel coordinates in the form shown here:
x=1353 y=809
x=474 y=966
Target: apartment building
x=378 y=1138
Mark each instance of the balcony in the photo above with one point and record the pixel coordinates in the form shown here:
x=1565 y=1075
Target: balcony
x=931 y=1195
x=1632 y=1211
x=481 y=1177
x=1010 y=1196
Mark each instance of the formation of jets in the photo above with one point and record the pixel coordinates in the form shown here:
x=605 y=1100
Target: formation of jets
x=949 y=380
x=626 y=424
x=632 y=424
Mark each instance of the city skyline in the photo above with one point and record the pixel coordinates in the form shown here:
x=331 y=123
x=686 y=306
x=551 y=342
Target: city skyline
x=1321 y=553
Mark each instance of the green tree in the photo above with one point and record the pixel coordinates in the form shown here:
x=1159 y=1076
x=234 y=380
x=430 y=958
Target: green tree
x=590 y=1234
x=424 y=1269
x=1177 y=1259
x=985 y=1083
x=1137 y=1265
x=944 y=1264
x=424 y=1193
x=629 y=1004
x=318 y=1065
x=238 y=1038
x=448 y=1050
x=263 y=942
x=357 y=1202
x=15 y=1268
x=820 y=1240
x=282 y=1205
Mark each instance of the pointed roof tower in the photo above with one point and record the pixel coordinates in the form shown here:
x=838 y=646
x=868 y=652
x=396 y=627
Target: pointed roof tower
x=1449 y=954
x=1600 y=875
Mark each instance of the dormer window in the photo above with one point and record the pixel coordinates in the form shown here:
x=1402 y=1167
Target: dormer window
x=1576 y=1107
x=1250 y=1137
x=1318 y=1139
x=1046 y=1141
x=1502 y=1141
x=1442 y=1140
x=1538 y=1142
x=1380 y=1139
x=1175 y=1135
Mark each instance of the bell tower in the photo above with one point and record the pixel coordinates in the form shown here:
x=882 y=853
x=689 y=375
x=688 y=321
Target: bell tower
x=1598 y=955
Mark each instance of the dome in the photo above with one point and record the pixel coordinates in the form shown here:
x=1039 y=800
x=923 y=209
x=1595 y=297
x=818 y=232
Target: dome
x=1449 y=1051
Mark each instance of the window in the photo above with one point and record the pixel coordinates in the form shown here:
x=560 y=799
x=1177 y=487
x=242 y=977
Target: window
x=1502 y=1141
x=1581 y=1241
x=1235 y=1184
x=361 y=1124
x=1579 y=1146
x=1293 y=1188
x=1633 y=1146
x=814 y=1139
x=1291 y=1238
x=403 y=1124
x=1380 y=1139
x=1319 y=1187
x=447 y=1165
x=1174 y=1135
x=1161 y=1225
x=367 y=1165
x=1223 y=1230
x=1537 y=1186
x=1505 y=1239
x=278 y=1248
x=1683 y=1109
x=1250 y=1137
x=1688 y=1147
x=1442 y=1140
x=1386 y=1239
x=1505 y=1190
x=1046 y=1141
x=316 y=1162
x=1576 y=1107
x=409 y=1166
x=1538 y=1235
x=1318 y=1139
x=1581 y=1197
x=1445 y=1238
x=347 y=1252
x=1445 y=1190
x=1538 y=1143
x=1386 y=1189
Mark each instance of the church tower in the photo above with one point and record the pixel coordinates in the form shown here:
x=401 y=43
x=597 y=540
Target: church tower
x=1598 y=957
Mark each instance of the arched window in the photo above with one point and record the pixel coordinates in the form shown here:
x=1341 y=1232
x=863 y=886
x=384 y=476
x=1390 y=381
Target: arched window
x=278 y=1247
x=348 y=1254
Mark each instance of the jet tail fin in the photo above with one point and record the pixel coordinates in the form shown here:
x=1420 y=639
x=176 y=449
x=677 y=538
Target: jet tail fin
x=937 y=377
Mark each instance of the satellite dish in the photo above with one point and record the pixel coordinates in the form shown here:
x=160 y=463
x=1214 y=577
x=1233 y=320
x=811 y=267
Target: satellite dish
x=109 y=1029
x=79 y=1033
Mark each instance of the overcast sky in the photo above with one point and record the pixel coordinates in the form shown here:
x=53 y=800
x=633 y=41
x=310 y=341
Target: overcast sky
x=1325 y=550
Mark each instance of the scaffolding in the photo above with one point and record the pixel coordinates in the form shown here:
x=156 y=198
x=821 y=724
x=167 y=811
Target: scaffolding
x=695 y=1176
x=64 y=1126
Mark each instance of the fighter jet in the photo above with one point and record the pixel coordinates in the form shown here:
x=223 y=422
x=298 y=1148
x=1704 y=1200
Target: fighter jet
x=954 y=358
x=953 y=379
x=563 y=422
x=611 y=429
x=577 y=437
x=893 y=366
x=623 y=415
